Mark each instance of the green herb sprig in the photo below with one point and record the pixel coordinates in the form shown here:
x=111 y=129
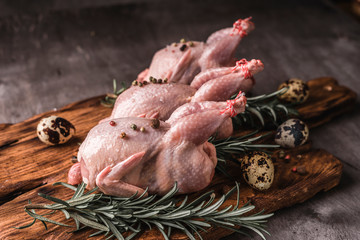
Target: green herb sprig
x=110 y=98
x=115 y=216
x=262 y=108
x=240 y=145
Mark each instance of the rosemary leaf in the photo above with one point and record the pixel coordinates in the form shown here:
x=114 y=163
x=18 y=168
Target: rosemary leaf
x=212 y=207
x=114 y=230
x=163 y=233
x=88 y=222
x=79 y=191
x=170 y=194
x=113 y=216
x=44 y=219
x=96 y=234
x=199 y=223
x=146 y=215
x=131 y=236
x=264 y=108
x=110 y=98
x=56 y=200
x=66 y=213
x=170 y=224
x=223 y=223
x=65 y=185
x=27 y=225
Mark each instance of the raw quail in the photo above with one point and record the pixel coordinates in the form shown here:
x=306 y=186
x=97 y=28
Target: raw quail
x=165 y=153
x=181 y=62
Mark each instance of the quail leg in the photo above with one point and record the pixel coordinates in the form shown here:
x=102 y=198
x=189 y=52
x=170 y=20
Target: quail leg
x=109 y=179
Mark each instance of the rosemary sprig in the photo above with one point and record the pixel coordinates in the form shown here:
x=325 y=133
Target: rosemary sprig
x=262 y=108
x=240 y=145
x=225 y=148
x=110 y=98
x=115 y=216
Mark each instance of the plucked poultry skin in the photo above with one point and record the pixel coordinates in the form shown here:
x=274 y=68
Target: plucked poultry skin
x=160 y=100
x=159 y=156
x=181 y=62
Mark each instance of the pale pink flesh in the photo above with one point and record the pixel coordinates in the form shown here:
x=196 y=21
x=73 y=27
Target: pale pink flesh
x=197 y=125
x=160 y=100
x=224 y=86
x=224 y=131
x=108 y=180
x=183 y=66
x=208 y=75
x=222 y=45
x=151 y=101
x=74 y=175
x=157 y=157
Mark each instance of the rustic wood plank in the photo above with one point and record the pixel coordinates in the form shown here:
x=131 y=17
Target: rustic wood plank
x=327 y=99
x=324 y=172
x=29 y=167
x=27 y=163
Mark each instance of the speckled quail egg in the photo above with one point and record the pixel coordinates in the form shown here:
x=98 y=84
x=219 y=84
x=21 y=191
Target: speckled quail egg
x=292 y=133
x=298 y=91
x=258 y=170
x=55 y=130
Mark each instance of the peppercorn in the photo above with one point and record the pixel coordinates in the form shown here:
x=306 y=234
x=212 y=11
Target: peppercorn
x=74 y=159
x=133 y=126
x=191 y=44
x=165 y=80
x=134 y=83
x=287 y=158
x=142 y=129
x=281 y=154
x=159 y=80
x=140 y=84
x=155 y=123
x=151 y=79
x=122 y=135
x=112 y=123
x=182 y=40
x=145 y=82
x=183 y=47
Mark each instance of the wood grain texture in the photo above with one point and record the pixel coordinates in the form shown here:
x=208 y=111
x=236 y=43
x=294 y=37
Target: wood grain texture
x=49 y=57
x=29 y=166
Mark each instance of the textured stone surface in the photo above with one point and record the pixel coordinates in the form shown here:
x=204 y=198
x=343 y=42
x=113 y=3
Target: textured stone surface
x=56 y=55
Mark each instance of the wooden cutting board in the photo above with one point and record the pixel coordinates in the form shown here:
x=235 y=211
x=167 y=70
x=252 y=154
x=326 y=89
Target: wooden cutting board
x=29 y=166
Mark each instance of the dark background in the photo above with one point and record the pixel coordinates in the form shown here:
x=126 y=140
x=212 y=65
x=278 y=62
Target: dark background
x=55 y=52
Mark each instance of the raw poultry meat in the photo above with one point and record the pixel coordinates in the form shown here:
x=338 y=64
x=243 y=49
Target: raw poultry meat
x=160 y=100
x=157 y=133
x=122 y=161
x=181 y=62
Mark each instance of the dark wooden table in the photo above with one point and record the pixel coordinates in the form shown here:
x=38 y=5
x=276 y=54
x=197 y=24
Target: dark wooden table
x=56 y=52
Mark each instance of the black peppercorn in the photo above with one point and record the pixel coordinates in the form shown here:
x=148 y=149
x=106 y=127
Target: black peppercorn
x=155 y=123
x=183 y=47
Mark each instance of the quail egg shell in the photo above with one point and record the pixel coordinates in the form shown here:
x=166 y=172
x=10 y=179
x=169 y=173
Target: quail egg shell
x=55 y=130
x=292 y=133
x=258 y=170
x=298 y=91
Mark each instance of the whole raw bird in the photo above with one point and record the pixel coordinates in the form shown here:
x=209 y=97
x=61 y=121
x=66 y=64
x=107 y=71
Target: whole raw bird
x=124 y=156
x=155 y=100
x=181 y=62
